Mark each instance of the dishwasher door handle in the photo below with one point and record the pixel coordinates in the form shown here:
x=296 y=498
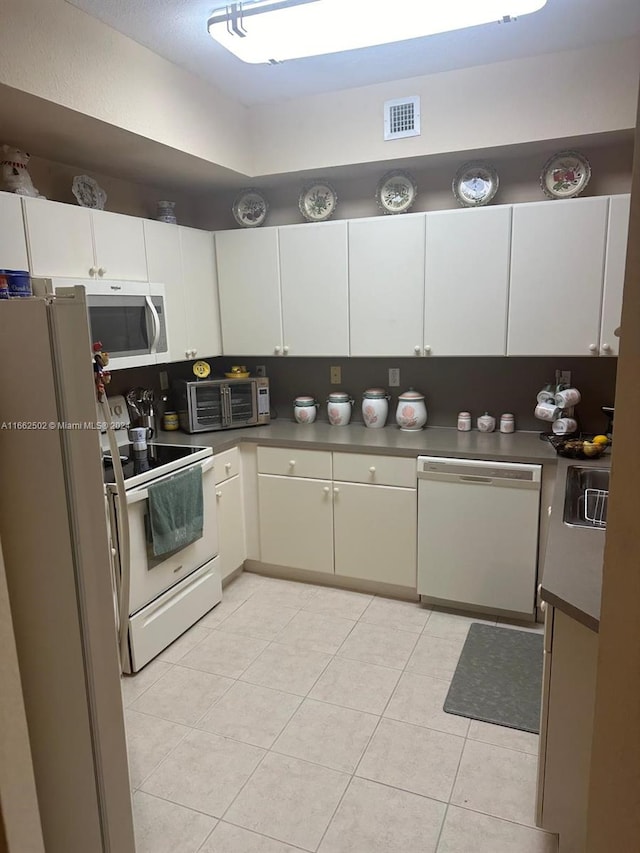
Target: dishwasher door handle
x=468 y=478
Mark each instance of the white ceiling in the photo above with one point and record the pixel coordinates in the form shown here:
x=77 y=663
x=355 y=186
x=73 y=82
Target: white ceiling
x=176 y=29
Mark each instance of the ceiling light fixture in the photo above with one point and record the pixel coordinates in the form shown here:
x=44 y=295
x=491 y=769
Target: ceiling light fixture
x=273 y=31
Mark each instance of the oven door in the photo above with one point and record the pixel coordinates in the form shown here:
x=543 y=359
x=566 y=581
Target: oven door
x=129 y=320
x=150 y=576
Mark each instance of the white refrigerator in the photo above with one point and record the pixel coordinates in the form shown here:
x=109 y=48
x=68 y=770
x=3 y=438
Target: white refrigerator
x=54 y=536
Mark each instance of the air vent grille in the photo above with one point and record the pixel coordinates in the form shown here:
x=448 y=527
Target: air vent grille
x=402 y=118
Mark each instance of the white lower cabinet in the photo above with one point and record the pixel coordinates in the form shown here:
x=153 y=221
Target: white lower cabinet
x=296 y=522
x=360 y=530
x=231 y=529
x=375 y=533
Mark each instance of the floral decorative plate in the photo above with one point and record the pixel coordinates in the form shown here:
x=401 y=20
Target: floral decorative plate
x=475 y=184
x=396 y=191
x=317 y=201
x=250 y=208
x=565 y=175
x=88 y=193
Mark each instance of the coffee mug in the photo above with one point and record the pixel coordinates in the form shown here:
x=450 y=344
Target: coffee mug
x=564 y=426
x=138 y=437
x=547 y=412
x=567 y=397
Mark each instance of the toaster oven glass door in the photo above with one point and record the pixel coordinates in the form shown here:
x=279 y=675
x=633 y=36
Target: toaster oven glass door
x=207 y=406
x=241 y=403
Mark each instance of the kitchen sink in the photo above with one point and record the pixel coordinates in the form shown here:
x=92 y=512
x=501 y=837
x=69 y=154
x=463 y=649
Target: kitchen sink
x=586 y=497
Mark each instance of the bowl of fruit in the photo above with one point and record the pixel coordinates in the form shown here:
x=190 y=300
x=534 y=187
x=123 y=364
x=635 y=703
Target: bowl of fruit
x=580 y=447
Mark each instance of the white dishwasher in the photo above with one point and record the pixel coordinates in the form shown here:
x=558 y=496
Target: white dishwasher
x=478 y=534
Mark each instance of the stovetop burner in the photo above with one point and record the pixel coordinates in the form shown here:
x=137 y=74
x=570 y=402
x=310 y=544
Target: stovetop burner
x=135 y=462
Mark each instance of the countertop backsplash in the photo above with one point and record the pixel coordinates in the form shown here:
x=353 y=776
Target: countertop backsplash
x=450 y=385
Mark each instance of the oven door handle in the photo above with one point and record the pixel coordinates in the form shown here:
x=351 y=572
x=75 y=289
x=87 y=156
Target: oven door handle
x=155 y=321
x=135 y=496
x=225 y=396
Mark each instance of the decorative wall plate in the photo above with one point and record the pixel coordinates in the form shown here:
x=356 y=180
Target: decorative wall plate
x=475 y=184
x=565 y=175
x=396 y=191
x=317 y=201
x=88 y=193
x=250 y=208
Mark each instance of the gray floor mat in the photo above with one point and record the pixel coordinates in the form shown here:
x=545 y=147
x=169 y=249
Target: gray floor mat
x=499 y=678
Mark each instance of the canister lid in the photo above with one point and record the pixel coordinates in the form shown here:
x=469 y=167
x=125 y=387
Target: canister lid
x=411 y=395
x=507 y=416
x=464 y=414
x=374 y=393
x=304 y=400
x=338 y=397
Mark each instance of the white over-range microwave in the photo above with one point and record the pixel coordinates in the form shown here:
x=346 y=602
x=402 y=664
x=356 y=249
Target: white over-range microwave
x=127 y=317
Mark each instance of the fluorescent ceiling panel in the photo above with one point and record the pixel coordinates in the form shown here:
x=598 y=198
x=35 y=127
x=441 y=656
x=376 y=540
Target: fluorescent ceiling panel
x=259 y=31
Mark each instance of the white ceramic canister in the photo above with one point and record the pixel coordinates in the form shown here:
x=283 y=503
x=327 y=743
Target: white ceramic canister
x=305 y=409
x=507 y=422
x=411 y=414
x=339 y=408
x=464 y=421
x=486 y=423
x=375 y=407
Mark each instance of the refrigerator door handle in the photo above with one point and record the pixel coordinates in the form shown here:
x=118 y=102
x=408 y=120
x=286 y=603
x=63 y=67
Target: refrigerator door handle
x=155 y=319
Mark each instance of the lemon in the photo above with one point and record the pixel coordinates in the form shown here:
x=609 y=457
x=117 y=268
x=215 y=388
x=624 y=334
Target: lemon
x=600 y=439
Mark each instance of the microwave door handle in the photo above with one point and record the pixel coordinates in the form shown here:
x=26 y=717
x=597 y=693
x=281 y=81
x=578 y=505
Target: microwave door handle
x=155 y=320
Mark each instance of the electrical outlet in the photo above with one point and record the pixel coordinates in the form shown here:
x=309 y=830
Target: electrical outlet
x=394 y=377
x=336 y=375
x=164 y=380
x=261 y=370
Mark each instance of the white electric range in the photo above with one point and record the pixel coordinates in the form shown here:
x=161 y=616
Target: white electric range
x=158 y=598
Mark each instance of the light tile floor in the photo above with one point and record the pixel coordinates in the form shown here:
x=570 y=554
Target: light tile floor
x=294 y=717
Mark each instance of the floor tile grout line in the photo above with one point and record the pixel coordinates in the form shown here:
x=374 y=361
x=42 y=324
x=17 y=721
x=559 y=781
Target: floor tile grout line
x=504 y=819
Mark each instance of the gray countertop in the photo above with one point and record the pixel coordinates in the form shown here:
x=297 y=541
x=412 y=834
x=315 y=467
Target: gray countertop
x=572 y=574
x=391 y=441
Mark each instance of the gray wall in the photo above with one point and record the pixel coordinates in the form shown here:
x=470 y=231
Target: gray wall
x=449 y=384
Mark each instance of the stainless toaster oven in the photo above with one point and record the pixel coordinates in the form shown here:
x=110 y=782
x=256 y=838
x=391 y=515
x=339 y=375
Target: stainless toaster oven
x=209 y=404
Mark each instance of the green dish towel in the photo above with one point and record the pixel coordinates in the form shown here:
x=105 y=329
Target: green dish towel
x=176 y=511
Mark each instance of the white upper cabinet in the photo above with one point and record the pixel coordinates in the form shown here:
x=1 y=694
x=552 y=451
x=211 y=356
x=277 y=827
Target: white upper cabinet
x=164 y=263
x=75 y=242
x=467 y=281
x=201 y=292
x=119 y=246
x=13 y=244
x=249 y=283
x=315 y=288
x=386 y=283
x=557 y=263
x=59 y=238
x=619 y=206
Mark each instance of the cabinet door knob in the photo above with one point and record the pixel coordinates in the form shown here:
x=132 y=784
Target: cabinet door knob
x=102 y=270
x=416 y=350
x=227 y=466
x=292 y=462
x=606 y=347
x=326 y=490
x=427 y=350
x=276 y=350
x=92 y=270
x=336 y=490
x=285 y=350
x=593 y=348
x=372 y=470
x=194 y=352
x=218 y=495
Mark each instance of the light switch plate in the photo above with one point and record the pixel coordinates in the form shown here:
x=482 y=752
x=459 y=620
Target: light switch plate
x=336 y=375
x=261 y=370
x=563 y=377
x=394 y=377
x=164 y=380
